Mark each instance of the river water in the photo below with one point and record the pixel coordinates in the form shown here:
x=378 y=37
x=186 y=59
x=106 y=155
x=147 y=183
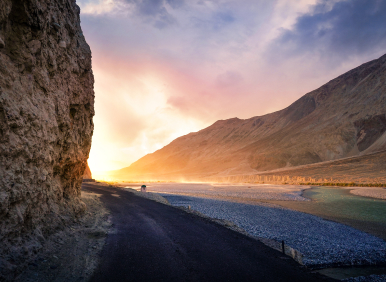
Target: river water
x=342 y=202
x=338 y=204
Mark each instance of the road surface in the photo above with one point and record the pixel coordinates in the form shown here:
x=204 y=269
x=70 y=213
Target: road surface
x=155 y=242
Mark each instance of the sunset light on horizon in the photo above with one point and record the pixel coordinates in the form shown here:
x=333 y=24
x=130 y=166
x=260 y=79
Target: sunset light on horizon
x=165 y=68
x=200 y=140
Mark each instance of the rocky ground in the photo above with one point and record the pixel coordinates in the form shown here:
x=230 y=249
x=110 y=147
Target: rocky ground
x=72 y=254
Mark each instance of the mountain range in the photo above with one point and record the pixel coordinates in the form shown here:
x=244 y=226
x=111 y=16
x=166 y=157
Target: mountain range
x=345 y=117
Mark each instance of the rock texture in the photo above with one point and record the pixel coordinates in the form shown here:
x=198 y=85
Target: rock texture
x=46 y=111
x=87 y=173
x=343 y=118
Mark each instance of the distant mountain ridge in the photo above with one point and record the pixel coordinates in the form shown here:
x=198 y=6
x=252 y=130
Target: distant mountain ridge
x=345 y=117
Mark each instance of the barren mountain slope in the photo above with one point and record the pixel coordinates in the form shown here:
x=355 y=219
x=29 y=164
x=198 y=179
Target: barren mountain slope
x=362 y=169
x=345 y=117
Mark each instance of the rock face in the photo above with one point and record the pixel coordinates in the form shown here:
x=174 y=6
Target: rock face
x=46 y=111
x=87 y=173
x=343 y=118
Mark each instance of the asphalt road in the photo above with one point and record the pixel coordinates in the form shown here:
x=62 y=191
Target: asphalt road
x=155 y=242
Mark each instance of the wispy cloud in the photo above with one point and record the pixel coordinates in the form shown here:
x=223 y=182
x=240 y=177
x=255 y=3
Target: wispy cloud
x=336 y=31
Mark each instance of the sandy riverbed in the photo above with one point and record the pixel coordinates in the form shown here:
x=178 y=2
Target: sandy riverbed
x=237 y=193
x=371 y=192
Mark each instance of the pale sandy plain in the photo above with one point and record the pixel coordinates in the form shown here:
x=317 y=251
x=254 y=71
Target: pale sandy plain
x=234 y=192
x=248 y=192
x=371 y=192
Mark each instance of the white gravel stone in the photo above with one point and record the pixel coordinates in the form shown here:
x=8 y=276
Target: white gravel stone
x=322 y=242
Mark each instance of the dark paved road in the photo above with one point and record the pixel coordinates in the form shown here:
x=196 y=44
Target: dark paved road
x=155 y=242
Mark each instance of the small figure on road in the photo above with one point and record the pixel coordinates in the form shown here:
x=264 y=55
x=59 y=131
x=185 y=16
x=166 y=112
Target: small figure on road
x=143 y=188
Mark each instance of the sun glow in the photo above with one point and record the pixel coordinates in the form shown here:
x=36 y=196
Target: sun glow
x=140 y=119
x=166 y=68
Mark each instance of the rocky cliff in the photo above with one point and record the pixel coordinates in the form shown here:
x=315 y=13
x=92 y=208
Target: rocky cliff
x=46 y=111
x=343 y=118
x=87 y=173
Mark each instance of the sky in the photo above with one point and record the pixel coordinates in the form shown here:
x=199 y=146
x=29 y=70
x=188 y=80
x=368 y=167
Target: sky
x=165 y=68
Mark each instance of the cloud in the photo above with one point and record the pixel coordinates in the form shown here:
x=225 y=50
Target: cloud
x=97 y=8
x=164 y=68
x=155 y=7
x=156 y=11
x=335 y=31
x=229 y=79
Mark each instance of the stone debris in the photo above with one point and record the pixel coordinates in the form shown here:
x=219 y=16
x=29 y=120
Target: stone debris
x=62 y=44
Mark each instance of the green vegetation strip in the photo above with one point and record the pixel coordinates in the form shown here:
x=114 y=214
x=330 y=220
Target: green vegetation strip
x=351 y=184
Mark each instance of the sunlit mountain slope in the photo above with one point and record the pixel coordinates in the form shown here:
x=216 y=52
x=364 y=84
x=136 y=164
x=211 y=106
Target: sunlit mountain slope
x=343 y=118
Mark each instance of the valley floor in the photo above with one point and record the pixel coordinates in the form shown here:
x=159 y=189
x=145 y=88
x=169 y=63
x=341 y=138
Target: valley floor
x=123 y=237
x=272 y=212
x=150 y=241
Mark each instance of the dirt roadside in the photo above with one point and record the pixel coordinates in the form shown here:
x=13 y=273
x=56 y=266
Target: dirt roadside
x=72 y=254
